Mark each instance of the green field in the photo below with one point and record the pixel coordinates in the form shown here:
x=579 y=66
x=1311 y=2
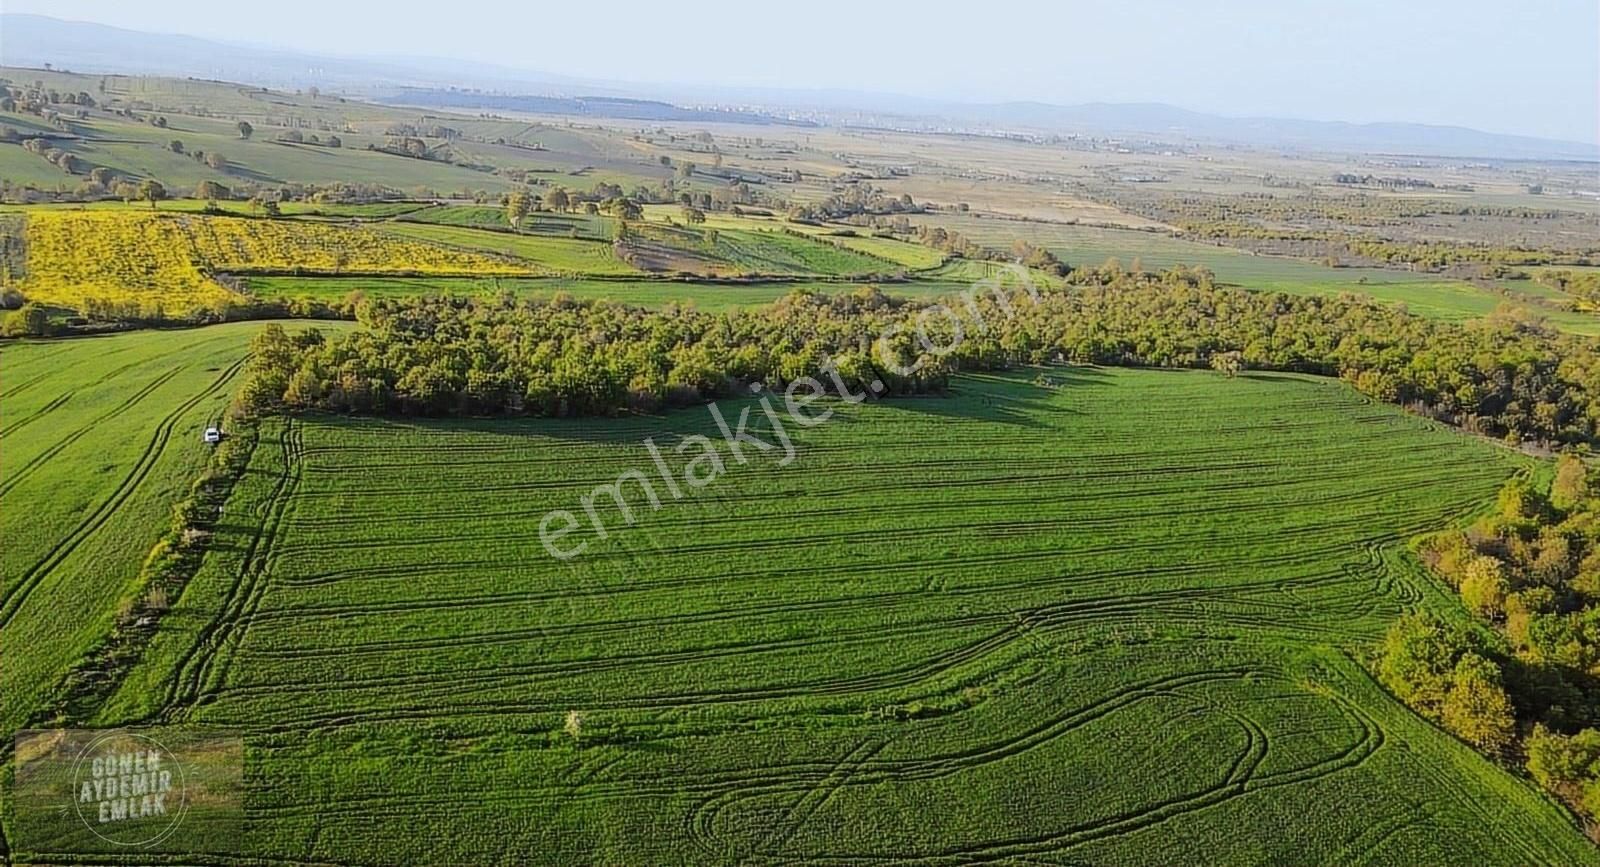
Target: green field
x=592 y=227
x=98 y=438
x=573 y=255
x=1087 y=246
x=1083 y=615
x=913 y=256
x=782 y=253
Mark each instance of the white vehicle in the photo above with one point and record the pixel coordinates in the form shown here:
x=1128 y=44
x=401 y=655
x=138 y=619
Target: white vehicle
x=212 y=435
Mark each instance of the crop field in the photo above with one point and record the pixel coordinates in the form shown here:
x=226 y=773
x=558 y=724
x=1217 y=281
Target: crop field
x=782 y=253
x=658 y=246
x=571 y=255
x=114 y=255
x=98 y=438
x=913 y=256
x=593 y=228
x=1068 y=615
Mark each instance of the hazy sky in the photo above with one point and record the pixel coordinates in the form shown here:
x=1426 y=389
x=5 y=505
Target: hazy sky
x=1530 y=67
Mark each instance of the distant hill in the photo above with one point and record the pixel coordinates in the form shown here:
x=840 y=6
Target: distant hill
x=1167 y=120
x=34 y=40
x=618 y=108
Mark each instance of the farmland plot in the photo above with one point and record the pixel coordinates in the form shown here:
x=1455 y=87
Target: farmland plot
x=98 y=438
x=1106 y=617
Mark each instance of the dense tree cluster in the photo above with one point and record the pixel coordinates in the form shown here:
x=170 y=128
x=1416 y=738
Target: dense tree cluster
x=854 y=200
x=1381 y=230
x=1530 y=570
x=1500 y=377
x=1446 y=673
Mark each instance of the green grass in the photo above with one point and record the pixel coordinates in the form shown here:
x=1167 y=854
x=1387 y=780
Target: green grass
x=1450 y=300
x=98 y=438
x=913 y=256
x=1105 y=619
x=576 y=256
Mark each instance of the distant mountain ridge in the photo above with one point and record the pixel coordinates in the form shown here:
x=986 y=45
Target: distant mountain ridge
x=35 y=40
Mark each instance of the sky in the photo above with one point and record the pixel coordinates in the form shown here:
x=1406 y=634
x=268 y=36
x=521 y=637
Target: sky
x=1530 y=68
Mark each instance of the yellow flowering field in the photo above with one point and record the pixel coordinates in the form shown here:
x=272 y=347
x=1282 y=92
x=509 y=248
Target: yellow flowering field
x=168 y=259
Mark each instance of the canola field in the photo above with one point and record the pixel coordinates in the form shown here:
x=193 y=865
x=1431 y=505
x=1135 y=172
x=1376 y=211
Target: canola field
x=122 y=256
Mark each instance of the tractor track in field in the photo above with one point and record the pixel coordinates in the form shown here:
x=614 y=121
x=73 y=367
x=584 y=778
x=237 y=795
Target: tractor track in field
x=16 y=593
x=21 y=473
x=194 y=668
x=31 y=417
x=1242 y=778
x=806 y=776
x=912 y=597
x=15 y=477
x=1173 y=607
x=1131 y=494
x=851 y=534
x=811 y=786
x=416 y=623
x=1074 y=581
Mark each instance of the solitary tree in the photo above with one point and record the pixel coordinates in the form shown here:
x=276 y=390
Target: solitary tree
x=211 y=191
x=152 y=192
x=245 y=129
x=518 y=204
x=557 y=199
x=1228 y=362
x=176 y=146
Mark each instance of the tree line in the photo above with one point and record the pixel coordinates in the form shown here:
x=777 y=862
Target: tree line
x=488 y=356
x=1526 y=687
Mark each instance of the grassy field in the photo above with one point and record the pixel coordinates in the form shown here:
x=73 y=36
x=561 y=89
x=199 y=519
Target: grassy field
x=590 y=227
x=1425 y=294
x=913 y=256
x=573 y=255
x=98 y=438
x=1106 y=616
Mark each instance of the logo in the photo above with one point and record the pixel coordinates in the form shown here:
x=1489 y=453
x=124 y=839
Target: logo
x=130 y=789
x=170 y=789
